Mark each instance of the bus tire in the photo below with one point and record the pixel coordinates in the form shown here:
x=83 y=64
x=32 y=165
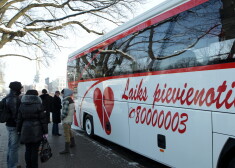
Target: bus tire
x=231 y=163
x=89 y=127
x=227 y=155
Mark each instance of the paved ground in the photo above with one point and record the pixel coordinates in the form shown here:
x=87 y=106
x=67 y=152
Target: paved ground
x=86 y=154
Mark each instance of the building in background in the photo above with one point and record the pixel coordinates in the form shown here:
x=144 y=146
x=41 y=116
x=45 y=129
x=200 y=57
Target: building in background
x=58 y=84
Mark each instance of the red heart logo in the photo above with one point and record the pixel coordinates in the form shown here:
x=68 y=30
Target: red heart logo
x=104 y=107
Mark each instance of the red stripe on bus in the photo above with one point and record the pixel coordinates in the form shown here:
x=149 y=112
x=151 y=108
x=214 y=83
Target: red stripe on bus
x=161 y=17
x=171 y=71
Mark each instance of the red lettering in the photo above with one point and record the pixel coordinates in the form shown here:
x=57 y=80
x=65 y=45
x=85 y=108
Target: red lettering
x=182 y=122
x=132 y=113
x=174 y=97
x=220 y=90
x=168 y=94
x=137 y=93
x=156 y=96
x=154 y=118
x=228 y=105
x=220 y=97
x=140 y=91
x=131 y=95
x=198 y=97
x=182 y=94
x=189 y=94
x=163 y=92
x=162 y=121
x=143 y=118
x=174 y=127
x=149 y=114
x=210 y=96
x=124 y=96
x=145 y=96
x=168 y=119
x=137 y=114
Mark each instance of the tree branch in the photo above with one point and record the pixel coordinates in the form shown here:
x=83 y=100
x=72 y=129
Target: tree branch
x=23 y=56
x=5 y=30
x=36 y=5
x=127 y=56
x=52 y=28
x=72 y=15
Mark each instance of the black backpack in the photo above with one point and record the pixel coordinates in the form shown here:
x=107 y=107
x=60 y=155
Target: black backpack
x=4 y=112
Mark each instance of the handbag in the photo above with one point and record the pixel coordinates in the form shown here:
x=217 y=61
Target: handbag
x=45 y=153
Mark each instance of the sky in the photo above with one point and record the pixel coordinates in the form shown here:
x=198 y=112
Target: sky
x=19 y=69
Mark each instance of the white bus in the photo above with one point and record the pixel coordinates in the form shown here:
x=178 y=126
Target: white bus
x=162 y=84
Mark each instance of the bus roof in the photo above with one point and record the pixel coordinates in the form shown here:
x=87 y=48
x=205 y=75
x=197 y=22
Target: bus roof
x=153 y=12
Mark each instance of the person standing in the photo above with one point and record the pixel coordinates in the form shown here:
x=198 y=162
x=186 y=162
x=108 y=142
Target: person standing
x=47 y=103
x=56 y=113
x=32 y=126
x=68 y=110
x=12 y=104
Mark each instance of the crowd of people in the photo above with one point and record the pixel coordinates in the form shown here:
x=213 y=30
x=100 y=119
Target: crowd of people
x=30 y=116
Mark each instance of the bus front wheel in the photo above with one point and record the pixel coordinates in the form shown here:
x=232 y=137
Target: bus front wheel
x=89 y=128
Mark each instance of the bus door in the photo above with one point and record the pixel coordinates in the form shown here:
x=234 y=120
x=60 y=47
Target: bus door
x=176 y=136
x=111 y=112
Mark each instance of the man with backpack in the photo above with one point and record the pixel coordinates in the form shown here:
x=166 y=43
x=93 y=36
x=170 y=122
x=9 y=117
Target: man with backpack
x=12 y=105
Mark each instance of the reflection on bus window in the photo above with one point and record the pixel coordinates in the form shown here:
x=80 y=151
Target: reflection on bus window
x=200 y=36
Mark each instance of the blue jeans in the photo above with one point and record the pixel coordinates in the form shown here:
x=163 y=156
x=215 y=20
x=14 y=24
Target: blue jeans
x=13 y=147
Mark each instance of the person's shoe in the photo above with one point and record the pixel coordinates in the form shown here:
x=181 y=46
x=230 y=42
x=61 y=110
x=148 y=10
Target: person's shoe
x=58 y=134
x=66 y=150
x=72 y=142
x=54 y=134
x=19 y=166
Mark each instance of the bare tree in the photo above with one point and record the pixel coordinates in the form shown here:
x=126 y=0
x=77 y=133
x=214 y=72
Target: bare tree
x=2 y=81
x=40 y=23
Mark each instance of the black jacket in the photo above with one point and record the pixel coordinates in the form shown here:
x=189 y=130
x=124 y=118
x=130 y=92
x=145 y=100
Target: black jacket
x=31 y=123
x=56 y=109
x=47 y=105
x=12 y=103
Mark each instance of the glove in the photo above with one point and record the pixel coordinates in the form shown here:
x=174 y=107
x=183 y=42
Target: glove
x=45 y=136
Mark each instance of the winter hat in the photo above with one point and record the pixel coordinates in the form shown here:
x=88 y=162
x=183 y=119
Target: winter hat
x=44 y=91
x=67 y=92
x=16 y=86
x=57 y=92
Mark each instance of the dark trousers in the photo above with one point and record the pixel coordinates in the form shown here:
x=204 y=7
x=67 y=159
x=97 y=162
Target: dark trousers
x=55 y=129
x=31 y=155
